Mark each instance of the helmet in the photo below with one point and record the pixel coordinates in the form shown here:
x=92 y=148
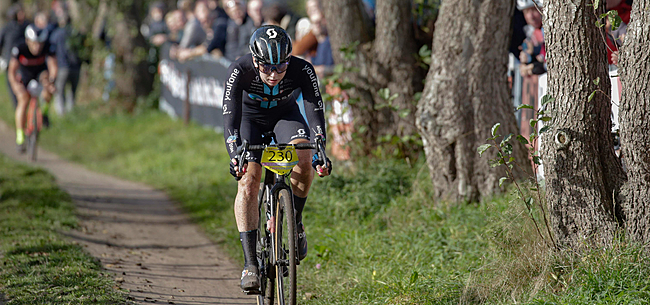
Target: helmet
x=270 y=44
x=33 y=33
x=524 y=4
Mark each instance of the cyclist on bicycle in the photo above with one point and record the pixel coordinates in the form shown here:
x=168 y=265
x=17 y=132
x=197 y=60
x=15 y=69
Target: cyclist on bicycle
x=31 y=60
x=259 y=98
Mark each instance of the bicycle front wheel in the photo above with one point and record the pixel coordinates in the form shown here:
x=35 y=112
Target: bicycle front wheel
x=285 y=250
x=33 y=137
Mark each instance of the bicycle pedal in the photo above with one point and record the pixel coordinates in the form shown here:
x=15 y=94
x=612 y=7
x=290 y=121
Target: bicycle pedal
x=252 y=292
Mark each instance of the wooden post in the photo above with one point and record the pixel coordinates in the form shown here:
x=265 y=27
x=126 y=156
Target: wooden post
x=186 y=104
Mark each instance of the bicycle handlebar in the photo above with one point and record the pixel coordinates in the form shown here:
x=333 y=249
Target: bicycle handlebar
x=319 y=146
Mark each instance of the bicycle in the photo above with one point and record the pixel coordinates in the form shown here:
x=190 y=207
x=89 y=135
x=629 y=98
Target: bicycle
x=34 y=119
x=277 y=244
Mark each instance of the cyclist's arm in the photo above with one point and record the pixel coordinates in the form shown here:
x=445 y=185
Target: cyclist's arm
x=12 y=70
x=232 y=104
x=52 y=67
x=314 y=107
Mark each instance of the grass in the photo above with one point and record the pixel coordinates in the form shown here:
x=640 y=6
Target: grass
x=376 y=234
x=39 y=266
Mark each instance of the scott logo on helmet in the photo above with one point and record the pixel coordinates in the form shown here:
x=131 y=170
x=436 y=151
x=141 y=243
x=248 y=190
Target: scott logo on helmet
x=272 y=33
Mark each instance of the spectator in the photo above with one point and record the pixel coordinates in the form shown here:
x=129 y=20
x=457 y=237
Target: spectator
x=193 y=33
x=155 y=29
x=273 y=14
x=308 y=44
x=205 y=19
x=175 y=21
x=12 y=34
x=323 y=61
x=66 y=43
x=615 y=38
x=533 y=51
x=232 y=36
x=254 y=10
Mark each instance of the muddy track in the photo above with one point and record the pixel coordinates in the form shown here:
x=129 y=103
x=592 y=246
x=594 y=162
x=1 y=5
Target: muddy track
x=141 y=237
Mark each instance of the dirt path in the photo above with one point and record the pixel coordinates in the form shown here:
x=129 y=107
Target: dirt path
x=141 y=237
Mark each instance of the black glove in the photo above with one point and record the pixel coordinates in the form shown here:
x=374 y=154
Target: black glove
x=235 y=162
x=315 y=161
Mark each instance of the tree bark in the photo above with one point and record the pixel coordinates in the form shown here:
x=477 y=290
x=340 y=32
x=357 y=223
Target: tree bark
x=465 y=95
x=634 y=123
x=388 y=61
x=132 y=77
x=490 y=94
x=445 y=115
x=578 y=152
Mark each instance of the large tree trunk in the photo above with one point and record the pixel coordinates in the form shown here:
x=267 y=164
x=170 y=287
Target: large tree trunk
x=578 y=153
x=132 y=78
x=634 y=109
x=490 y=94
x=465 y=95
x=445 y=115
x=386 y=62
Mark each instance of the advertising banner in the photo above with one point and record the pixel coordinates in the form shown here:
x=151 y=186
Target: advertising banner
x=207 y=77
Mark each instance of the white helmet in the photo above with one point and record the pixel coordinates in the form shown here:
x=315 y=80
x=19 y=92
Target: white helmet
x=524 y=4
x=33 y=33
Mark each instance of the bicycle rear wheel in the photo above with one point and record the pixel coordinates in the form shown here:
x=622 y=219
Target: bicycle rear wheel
x=285 y=250
x=33 y=136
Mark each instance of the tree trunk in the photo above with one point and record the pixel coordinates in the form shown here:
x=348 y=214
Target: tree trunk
x=578 y=152
x=132 y=78
x=465 y=95
x=445 y=115
x=490 y=94
x=386 y=62
x=634 y=109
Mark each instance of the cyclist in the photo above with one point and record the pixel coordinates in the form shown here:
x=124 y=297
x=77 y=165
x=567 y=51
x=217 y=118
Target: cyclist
x=31 y=60
x=259 y=98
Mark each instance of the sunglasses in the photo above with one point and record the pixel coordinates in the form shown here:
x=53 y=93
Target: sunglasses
x=268 y=68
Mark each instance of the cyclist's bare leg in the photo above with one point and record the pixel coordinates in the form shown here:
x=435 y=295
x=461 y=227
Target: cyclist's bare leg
x=21 y=110
x=303 y=173
x=246 y=213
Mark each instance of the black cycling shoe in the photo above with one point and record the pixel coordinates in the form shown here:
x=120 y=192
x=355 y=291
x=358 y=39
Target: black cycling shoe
x=21 y=148
x=46 y=121
x=250 y=280
x=302 y=242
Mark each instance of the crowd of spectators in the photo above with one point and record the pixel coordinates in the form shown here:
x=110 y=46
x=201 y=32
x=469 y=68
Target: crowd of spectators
x=63 y=40
x=222 y=29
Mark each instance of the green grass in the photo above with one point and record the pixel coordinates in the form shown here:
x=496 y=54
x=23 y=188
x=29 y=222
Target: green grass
x=39 y=266
x=376 y=234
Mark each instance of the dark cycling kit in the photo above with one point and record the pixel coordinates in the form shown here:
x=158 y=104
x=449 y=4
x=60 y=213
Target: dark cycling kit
x=30 y=66
x=251 y=107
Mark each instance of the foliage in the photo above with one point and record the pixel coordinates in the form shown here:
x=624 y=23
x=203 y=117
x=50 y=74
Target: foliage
x=40 y=265
x=504 y=158
x=388 y=145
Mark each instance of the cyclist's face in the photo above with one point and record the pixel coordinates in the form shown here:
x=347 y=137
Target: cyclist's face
x=273 y=78
x=34 y=47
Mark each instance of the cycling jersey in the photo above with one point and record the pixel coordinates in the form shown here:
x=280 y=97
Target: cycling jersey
x=251 y=107
x=30 y=66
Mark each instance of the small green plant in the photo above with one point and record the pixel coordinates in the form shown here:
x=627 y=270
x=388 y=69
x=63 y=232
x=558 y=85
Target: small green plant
x=504 y=158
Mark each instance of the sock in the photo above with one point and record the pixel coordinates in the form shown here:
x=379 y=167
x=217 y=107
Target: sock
x=249 y=244
x=45 y=108
x=299 y=204
x=20 y=136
